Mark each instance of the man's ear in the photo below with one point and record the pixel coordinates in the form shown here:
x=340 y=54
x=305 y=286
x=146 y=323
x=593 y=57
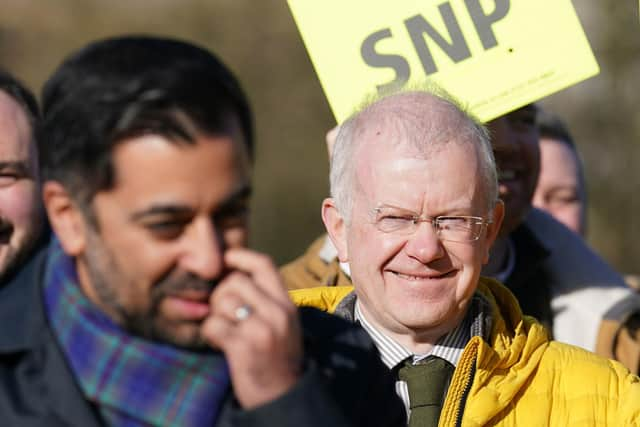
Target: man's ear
x=336 y=228
x=493 y=229
x=66 y=218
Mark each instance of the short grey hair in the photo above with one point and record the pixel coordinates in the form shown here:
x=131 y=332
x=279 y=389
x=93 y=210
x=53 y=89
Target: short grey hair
x=417 y=114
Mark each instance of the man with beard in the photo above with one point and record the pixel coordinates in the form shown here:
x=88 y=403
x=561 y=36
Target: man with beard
x=22 y=222
x=146 y=309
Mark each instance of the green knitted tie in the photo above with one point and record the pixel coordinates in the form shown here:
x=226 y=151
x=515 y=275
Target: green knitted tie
x=427 y=382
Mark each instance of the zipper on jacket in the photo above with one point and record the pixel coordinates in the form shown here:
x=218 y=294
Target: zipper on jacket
x=461 y=384
x=465 y=394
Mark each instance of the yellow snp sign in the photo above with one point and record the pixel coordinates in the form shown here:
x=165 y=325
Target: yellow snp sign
x=493 y=55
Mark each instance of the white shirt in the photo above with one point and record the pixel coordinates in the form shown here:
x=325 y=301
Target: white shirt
x=448 y=347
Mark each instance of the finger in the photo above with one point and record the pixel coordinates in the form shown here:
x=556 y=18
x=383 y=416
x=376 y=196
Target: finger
x=260 y=337
x=222 y=328
x=217 y=331
x=238 y=289
x=253 y=334
x=256 y=336
x=228 y=306
x=261 y=268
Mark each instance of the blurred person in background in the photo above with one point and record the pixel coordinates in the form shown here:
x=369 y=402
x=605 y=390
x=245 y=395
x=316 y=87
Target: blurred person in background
x=319 y=265
x=22 y=220
x=555 y=276
x=561 y=190
x=147 y=309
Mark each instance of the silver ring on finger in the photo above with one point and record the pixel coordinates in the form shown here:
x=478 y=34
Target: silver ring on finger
x=243 y=312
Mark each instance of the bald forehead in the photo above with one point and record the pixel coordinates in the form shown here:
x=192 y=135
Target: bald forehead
x=418 y=103
x=416 y=121
x=414 y=125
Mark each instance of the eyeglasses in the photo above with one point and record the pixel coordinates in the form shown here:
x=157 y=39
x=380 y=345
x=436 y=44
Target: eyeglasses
x=452 y=228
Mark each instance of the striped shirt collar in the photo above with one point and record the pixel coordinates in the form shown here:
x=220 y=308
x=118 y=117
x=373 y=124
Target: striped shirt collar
x=449 y=347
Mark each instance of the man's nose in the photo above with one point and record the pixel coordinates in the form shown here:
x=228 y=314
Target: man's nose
x=204 y=250
x=424 y=244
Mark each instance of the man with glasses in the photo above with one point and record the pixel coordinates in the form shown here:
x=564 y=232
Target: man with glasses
x=552 y=272
x=414 y=211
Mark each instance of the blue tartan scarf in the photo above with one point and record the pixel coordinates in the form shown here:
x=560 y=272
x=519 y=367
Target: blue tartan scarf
x=133 y=381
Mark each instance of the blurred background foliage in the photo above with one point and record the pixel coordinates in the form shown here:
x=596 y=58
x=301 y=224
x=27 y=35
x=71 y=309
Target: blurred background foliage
x=259 y=41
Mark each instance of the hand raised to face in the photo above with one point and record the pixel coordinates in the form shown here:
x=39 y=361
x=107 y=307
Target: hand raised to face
x=256 y=325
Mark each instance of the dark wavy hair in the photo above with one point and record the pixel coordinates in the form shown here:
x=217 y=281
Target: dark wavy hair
x=129 y=86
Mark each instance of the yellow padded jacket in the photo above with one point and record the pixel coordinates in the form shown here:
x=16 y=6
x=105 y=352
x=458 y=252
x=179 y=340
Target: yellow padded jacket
x=520 y=378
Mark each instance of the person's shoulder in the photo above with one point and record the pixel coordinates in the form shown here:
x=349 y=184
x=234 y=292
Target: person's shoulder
x=20 y=295
x=546 y=228
x=349 y=364
x=17 y=287
x=27 y=344
x=619 y=334
x=578 y=365
x=318 y=266
x=29 y=268
x=321 y=326
x=571 y=259
x=335 y=342
x=580 y=387
x=583 y=378
x=555 y=236
x=325 y=298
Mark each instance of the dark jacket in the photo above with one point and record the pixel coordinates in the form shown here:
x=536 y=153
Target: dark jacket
x=558 y=279
x=344 y=383
x=529 y=281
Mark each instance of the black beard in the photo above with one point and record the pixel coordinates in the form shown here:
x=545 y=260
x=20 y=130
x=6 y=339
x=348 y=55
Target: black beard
x=150 y=326
x=17 y=256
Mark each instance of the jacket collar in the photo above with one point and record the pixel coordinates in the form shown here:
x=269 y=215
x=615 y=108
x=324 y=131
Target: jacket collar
x=508 y=361
x=22 y=308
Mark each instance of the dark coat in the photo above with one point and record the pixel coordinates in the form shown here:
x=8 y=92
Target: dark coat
x=529 y=281
x=344 y=384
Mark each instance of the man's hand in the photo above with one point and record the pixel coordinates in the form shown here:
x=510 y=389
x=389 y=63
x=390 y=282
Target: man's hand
x=256 y=325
